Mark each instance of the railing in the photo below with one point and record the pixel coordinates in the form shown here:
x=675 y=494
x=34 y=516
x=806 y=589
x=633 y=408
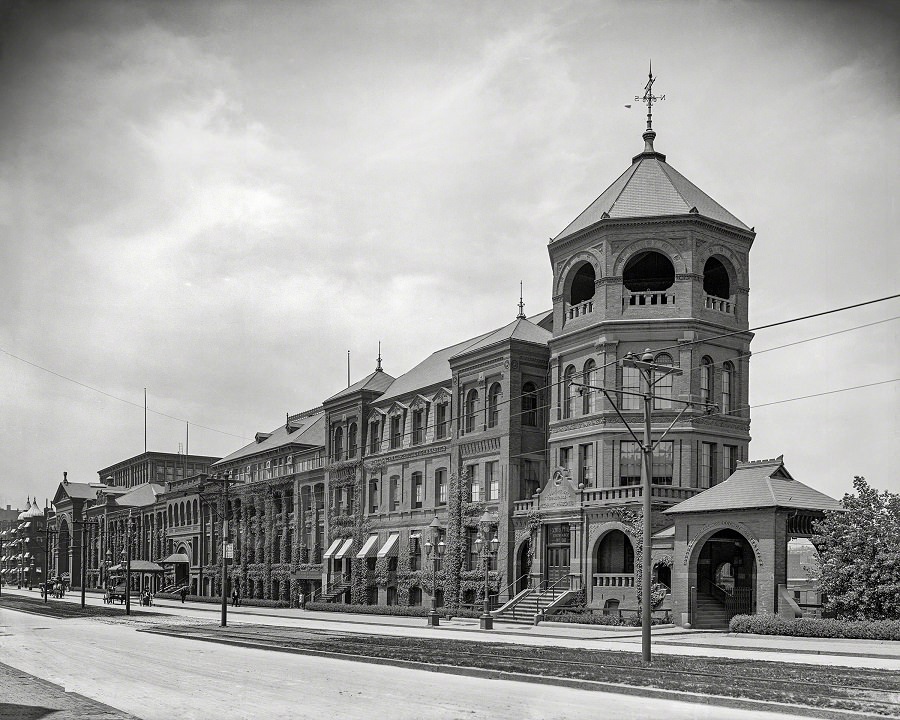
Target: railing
x=740 y=602
x=635 y=299
x=552 y=590
x=523 y=505
x=719 y=304
x=613 y=580
x=717 y=592
x=513 y=585
x=581 y=309
x=626 y=492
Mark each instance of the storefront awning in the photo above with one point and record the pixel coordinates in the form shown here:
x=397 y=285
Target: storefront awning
x=345 y=548
x=138 y=566
x=332 y=549
x=172 y=559
x=368 y=547
x=389 y=549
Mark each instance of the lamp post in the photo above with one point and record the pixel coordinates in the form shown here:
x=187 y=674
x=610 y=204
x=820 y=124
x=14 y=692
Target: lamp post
x=436 y=551
x=486 y=621
x=31 y=574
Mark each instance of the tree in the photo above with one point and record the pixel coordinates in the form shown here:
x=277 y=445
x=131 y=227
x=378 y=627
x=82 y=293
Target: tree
x=860 y=554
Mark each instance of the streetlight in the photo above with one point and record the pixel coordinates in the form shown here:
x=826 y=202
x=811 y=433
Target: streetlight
x=490 y=548
x=436 y=551
x=31 y=574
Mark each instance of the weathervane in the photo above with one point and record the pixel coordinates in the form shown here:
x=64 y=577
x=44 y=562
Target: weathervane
x=649 y=98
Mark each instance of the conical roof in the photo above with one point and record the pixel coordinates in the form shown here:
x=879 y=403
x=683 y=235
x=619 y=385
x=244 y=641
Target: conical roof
x=651 y=188
x=21 y=515
x=34 y=511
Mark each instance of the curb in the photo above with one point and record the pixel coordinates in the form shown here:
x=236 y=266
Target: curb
x=592 y=685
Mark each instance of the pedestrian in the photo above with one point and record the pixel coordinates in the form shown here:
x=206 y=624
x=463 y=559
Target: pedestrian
x=234 y=598
x=302 y=600
x=183 y=593
x=237 y=592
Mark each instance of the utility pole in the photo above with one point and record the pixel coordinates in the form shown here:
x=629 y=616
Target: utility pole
x=224 y=479
x=651 y=373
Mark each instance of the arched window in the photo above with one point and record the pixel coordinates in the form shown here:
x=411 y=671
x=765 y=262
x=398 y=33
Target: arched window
x=351 y=441
x=715 y=279
x=727 y=388
x=170 y=516
x=338 y=448
x=196 y=512
x=589 y=399
x=648 y=271
x=662 y=384
x=471 y=410
x=181 y=513
x=615 y=554
x=494 y=405
x=568 y=392
x=188 y=511
x=706 y=379
x=583 y=284
x=529 y=405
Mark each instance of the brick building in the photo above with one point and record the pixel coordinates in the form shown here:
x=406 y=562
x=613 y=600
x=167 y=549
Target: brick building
x=522 y=435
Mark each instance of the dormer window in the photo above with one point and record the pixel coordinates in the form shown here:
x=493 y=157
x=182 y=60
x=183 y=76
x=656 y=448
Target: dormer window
x=418 y=428
x=396 y=432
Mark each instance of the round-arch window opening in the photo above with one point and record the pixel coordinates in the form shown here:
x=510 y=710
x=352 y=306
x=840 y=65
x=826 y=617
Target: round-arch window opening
x=648 y=271
x=715 y=279
x=583 y=284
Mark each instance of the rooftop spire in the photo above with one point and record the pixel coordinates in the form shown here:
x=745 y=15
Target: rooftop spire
x=378 y=366
x=649 y=98
x=521 y=315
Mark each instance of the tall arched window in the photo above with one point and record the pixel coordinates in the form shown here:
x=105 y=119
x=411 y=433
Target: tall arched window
x=662 y=384
x=471 y=410
x=337 y=451
x=351 y=441
x=727 y=388
x=583 y=284
x=568 y=392
x=631 y=383
x=494 y=405
x=706 y=379
x=189 y=520
x=589 y=399
x=529 y=405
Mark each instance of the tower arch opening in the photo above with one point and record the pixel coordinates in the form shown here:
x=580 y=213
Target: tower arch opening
x=716 y=281
x=648 y=271
x=583 y=286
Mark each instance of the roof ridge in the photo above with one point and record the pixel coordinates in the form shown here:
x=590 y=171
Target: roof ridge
x=665 y=167
x=634 y=168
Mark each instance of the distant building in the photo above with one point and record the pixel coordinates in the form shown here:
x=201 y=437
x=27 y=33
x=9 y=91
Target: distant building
x=22 y=543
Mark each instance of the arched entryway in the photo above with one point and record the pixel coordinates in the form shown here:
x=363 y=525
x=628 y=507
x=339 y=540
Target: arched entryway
x=523 y=566
x=614 y=561
x=725 y=580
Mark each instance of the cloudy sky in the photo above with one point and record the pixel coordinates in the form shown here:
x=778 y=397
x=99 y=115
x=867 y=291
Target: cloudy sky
x=217 y=200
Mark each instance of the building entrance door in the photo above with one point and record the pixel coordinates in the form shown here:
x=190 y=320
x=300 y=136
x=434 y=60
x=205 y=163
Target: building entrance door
x=557 y=565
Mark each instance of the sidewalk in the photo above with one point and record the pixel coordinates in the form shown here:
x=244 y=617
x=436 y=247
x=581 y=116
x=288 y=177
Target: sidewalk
x=26 y=697
x=666 y=639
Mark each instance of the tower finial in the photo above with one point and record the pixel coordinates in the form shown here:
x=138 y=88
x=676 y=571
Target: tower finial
x=521 y=315
x=649 y=98
x=378 y=366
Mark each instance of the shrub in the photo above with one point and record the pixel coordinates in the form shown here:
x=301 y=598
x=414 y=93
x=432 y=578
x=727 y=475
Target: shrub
x=396 y=610
x=815 y=627
x=601 y=619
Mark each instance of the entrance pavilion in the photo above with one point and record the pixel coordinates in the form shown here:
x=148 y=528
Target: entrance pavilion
x=731 y=544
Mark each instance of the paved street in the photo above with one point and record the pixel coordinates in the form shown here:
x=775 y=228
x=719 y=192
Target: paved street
x=163 y=677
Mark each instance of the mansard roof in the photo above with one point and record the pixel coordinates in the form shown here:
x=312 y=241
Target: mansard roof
x=141 y=496
x=519 y=329
x=651 y=188
x=436 y=367
x=375 y=381
x=307 y=430
x=758 y=484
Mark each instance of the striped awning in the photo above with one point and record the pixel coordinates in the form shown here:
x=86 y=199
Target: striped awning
x=389 y=549
x=332 y=549
x=345 y=548
x=368 y=547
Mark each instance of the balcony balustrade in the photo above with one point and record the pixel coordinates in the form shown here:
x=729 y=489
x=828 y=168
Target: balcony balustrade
x=613 y=580
x=719 y=304
x=648 y=298
x=616 y=495
x=584 y=308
